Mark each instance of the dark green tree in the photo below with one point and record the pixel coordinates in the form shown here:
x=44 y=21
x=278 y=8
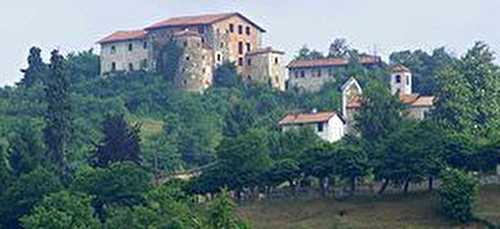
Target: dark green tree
x=222 y=213
x=339 y=48
x=26 y=148
x=458 y=194
x=226 y=75
x=36 y=71
x=351 y=162
x=24 y=193
x=306 y=54
x=121 y=142
x=58 y=129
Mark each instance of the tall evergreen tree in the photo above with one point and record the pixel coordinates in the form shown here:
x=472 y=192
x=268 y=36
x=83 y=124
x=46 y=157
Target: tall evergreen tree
x=121 y=142
x=36 y=71
x=57 y=132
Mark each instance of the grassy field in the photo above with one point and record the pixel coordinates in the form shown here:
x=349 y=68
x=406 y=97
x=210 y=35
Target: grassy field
x=416 y=210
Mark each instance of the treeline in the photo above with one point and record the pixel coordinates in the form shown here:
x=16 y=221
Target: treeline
x=80 y=150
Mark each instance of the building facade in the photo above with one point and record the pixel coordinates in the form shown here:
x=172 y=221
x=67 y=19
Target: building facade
x=329 y=126
x=217 y=38
x=311 y=75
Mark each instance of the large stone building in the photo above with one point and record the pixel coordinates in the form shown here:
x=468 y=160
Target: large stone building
x=207 y=41
x=311 y=75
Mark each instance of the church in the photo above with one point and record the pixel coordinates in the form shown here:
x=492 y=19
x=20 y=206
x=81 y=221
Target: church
x=332 y=126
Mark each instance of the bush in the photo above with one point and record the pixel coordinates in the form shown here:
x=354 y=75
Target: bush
x=457 y=194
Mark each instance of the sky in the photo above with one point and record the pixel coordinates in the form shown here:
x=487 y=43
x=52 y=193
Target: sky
x=373 y=26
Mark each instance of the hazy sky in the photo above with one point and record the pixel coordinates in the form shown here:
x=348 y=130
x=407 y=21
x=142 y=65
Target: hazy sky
x=388 y=25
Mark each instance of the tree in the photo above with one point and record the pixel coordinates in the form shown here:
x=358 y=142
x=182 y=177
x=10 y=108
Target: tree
x=62 y=210
x=351 y=162
x=5 y=170
x=24 y=193
x=457 y=194
x=57 y=132
x=169 y=59
x=25 y=148
x=120 y=184
x=306 y=54
x=83 y=66
x=36 y=71
x=319 y=161
x=339 y=48
x=380 y=113
x=226 y=75
x=222 y=213
x=121 y=142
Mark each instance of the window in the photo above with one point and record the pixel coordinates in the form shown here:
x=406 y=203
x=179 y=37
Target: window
x=188 y=58
x=131 y=67
x=113 y=66
x=302 y=74
x=240 y=29
x=296 y=74
x=231 y=28
x=398 y=79
x=318 y=73
x=249 y=77
x=219 y=57
x=247 y=30
x=130 y=47
x=240 y=61
x=276 y=60
x=249 y=62
x=144 y=64
x=321 y=127
x=222 y=44
x=201 y=30
x=113 y=49
x=203 y=70
x=240 y=47
x=408 y=80
x=145 y=45
x=185 y=43
x=249 y=47
x=331 y=72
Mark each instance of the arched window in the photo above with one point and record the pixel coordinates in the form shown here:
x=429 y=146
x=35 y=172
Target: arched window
x=113 y=66
x=398 y=79
x=408 y=80
x=131 y=67
x=130 y=47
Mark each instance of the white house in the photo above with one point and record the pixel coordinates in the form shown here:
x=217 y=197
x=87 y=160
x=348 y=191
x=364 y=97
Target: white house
x=329 y=126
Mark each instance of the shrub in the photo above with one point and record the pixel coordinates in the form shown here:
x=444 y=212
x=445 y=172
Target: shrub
x=457 y=194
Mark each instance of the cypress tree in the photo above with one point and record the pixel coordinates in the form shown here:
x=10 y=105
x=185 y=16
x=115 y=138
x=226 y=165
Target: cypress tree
x=57 y=131
x=36 y=71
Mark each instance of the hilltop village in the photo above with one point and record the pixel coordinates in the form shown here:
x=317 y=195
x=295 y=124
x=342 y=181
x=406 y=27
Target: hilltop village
x=207 y=41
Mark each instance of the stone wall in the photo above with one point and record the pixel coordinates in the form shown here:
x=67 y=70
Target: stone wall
x=122 y=57
x=195 y=67
x=265 y=67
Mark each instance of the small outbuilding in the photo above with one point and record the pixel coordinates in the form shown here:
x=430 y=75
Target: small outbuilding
x=329 y=126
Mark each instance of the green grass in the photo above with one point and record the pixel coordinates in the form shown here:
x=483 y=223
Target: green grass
x=417 y=210
x=149 y=128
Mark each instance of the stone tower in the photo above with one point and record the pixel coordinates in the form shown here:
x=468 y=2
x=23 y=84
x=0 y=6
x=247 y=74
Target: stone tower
x=401 y=80
x=265 y=66
x=195 y=67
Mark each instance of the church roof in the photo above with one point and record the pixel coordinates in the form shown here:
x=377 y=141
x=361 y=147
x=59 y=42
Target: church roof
x=331 y=62
x=304 y=118
x=206 y=19
x=413 y=100
x=400 y=68
x=123 y=36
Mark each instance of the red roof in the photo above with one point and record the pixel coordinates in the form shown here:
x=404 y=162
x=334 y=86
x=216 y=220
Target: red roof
x=265 y=50
x=124 y=36
x=307 y=118
x=328 y=62
x=198 y=20
x=413 y=100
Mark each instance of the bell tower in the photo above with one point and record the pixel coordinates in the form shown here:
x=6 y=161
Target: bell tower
x=401 y=80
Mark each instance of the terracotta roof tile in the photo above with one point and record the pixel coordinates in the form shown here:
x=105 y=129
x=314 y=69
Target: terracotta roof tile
x=408 y=99
x=424 y=101
x=400 y=68
x=197 y=20
x=123 y=36
x=327 y=62
x=307 y=118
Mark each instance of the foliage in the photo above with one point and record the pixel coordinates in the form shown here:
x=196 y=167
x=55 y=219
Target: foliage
x=339 y=48
x=121 y=142
x=226 y=75
x=222 y=213
x=306 y=54
x=83 y=66
x=62 y=210
x=26 y=149
x=36 y=71
x=24 y=193
x=57 y=132
x=457 y=194
x=170 y=54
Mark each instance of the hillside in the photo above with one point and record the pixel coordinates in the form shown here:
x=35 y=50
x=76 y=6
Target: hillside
x=416 y=210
